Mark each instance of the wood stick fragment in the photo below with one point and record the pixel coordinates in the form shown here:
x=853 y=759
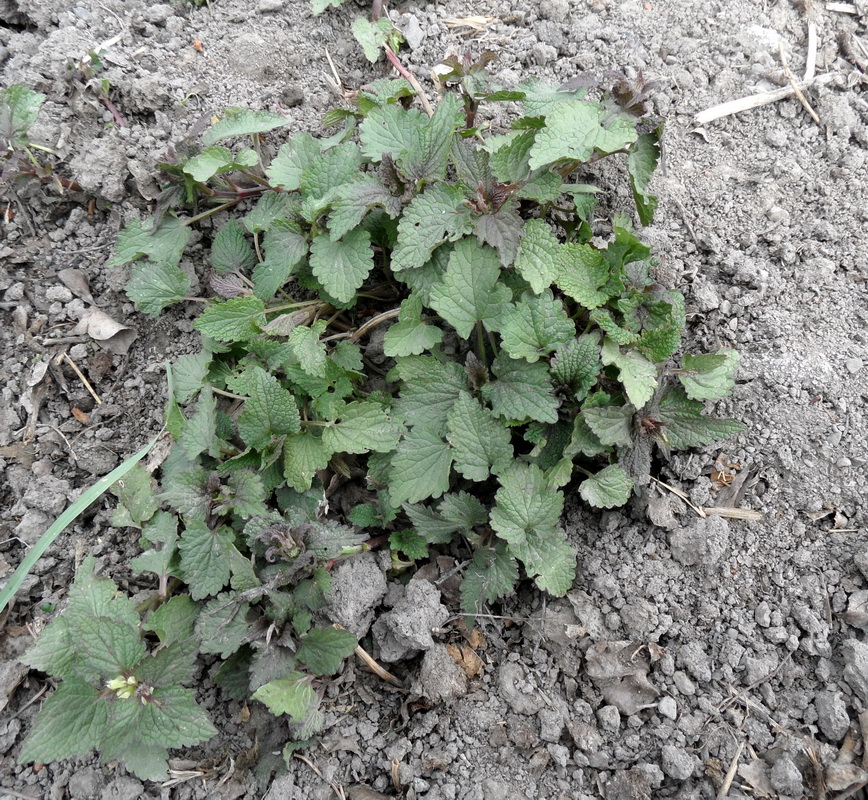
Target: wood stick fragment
x=732 y=513
x=376 y=668
x=792 y=79
x=730 y=774
x=371 y=663
x=405 y=73
x=678 y=493
x=811 y=61
x=758 y=100
x=81 y=377
x=841 y=8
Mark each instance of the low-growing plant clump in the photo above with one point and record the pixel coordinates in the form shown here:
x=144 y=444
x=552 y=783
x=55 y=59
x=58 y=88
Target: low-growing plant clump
x=422 y=335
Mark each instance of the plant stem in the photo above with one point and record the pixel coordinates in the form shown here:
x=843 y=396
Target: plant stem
x=480 y=343
x=287 y=306
x=404 y=72
x=373 y=322
x=211 y=211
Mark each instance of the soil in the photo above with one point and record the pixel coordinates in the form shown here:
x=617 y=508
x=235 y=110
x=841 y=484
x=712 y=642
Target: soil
x=690 y=646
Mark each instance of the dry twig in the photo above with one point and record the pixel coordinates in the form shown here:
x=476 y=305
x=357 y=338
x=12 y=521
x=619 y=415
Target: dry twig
x=730 y=773
x=794 y=83
x=81 y=377
x=758 y=100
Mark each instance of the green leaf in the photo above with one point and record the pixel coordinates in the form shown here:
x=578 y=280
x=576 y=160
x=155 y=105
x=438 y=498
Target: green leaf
x=232 y=320
x=522 y=391
x=19 y=108
x=174 y=719
x=430 y=389
x=464 y=510
x=365 y=516
x=493 y=573
x=410 y=336
x=582 y=273
x=222 y=625
x=330 y=539
x=538 y=257
x=612 y=425
x=205 y=558
x=231 y=252
x=509 y=159
x=292 y=696
x=71 y=723
x=372 y=35
x=354 y=201
x=309 y=350
x=323 y=651
x=584 y=441
x=540 y=98
x=636 y=373
x=573 y=130
x=420 y=466
x=577 y=364
x=242 y=122
x=361 y=428
x=430 y=524
x=293 y=158
x=217 y=160
x=285 y=246
x=162 y=530
x=303 y=455
x=342 y=266
x=165 y=245
x=422 y=279
x=525 y=504
x=472 y=163
x=106 y=647
x=199 y=432
x=391 y=129
x=431 y=218
x=536 y=326
x=135 y=491
x=614 y=332
x=502 y=230
x=471 y=291
x=155 y=285
x=187 y=493
x=609 y=488
x=544 y=187
x=247 y=495
x=685 y=425
x=271 y=207
x=641 y=162
x=348 y=356
x=331 y=170
x=549 y=559
x=659 y=344
x=410 y=543
x=709 y=377
x=189 y=372
x=427 y=159
x=174 y=621
x=480 y=442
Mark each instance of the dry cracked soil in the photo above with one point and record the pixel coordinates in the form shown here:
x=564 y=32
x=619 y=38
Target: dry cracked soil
x=696 y=656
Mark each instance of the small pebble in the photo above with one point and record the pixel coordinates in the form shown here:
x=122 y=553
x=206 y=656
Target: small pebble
x=786 y=778
x=668 y=708
x=266 y=6
x=609 y=718
x=832 y=715
x=677 y=762
x=853 y=365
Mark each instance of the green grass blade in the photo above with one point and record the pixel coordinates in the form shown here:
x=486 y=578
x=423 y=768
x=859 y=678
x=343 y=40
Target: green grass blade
x=68 y=516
